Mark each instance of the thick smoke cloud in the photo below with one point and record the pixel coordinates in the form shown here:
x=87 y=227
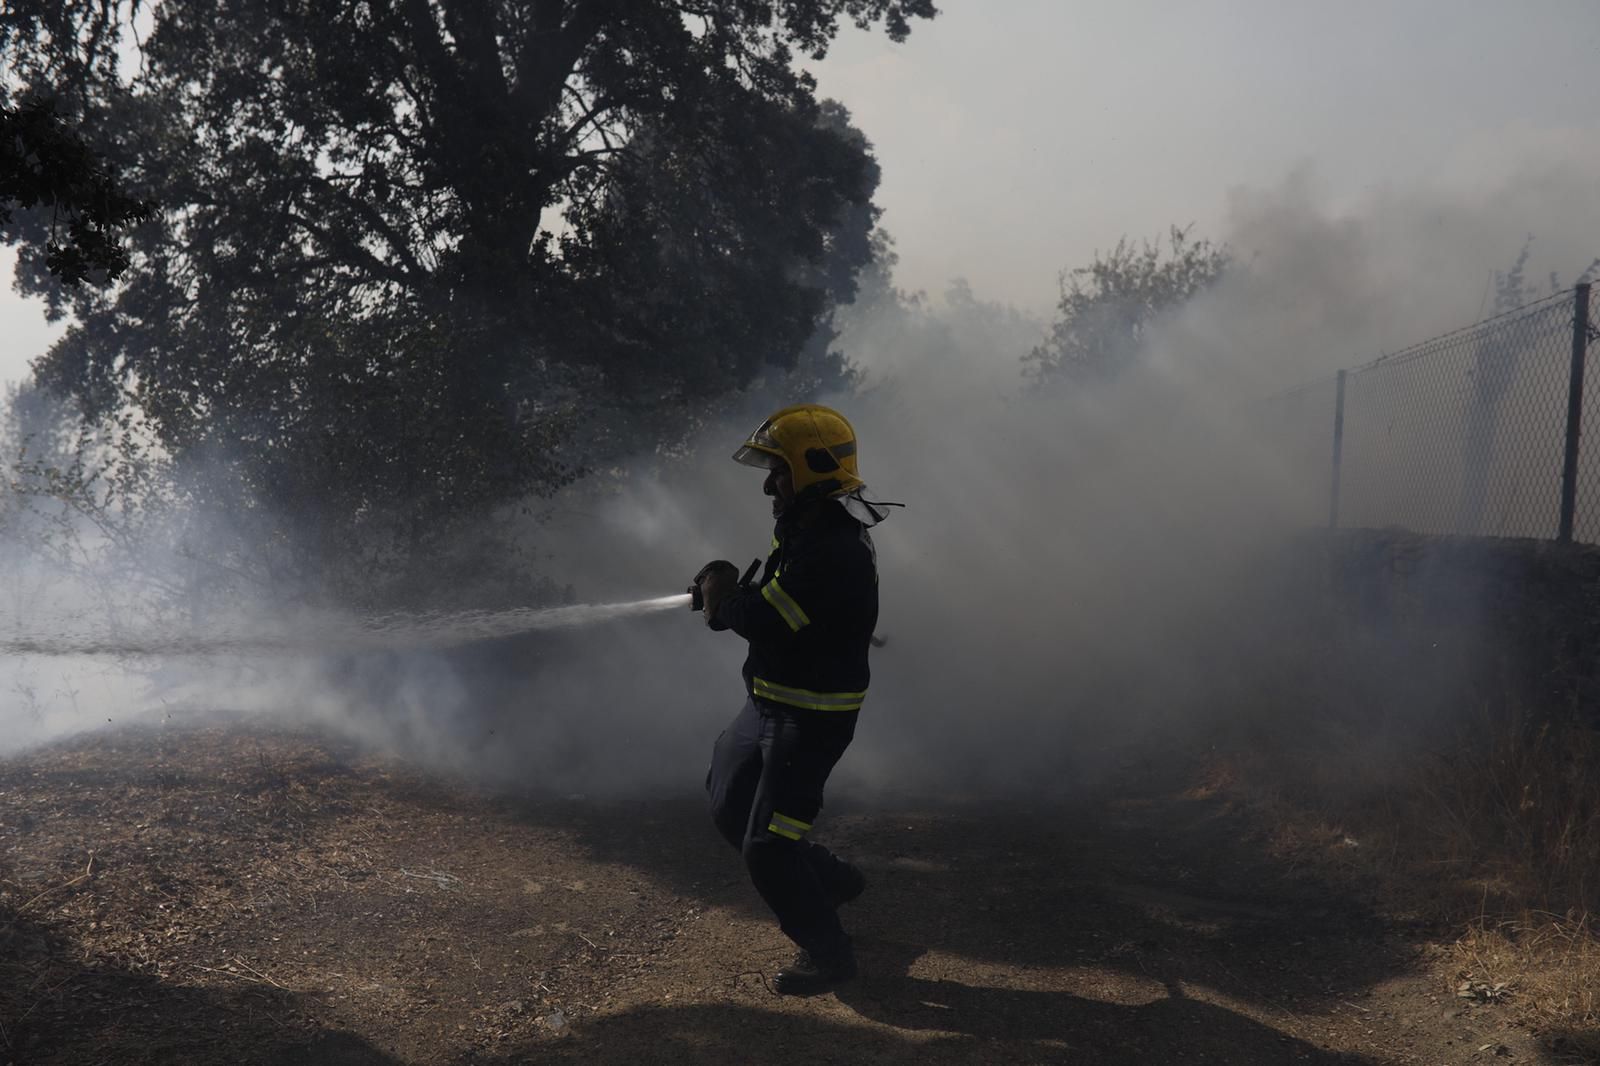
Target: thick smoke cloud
x=1073 y=570
x=1081 y=569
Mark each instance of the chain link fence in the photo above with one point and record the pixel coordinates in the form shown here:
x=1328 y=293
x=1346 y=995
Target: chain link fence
x=1493 y=430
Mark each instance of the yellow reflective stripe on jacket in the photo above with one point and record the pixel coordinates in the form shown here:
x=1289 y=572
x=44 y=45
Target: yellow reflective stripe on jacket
x=804 y=697
x=784 y=826
x=784 y=604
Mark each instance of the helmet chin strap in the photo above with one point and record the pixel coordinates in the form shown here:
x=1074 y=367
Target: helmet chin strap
x=818 y=490
x=811 y=494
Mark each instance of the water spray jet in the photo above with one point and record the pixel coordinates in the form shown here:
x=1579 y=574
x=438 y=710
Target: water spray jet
x=393 y=630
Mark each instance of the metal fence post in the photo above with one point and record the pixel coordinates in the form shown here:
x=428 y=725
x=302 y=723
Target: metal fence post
x=1569 y=465
x=1338 y=454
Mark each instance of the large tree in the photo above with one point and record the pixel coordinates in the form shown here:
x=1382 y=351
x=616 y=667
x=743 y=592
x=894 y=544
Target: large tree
x=410 y=248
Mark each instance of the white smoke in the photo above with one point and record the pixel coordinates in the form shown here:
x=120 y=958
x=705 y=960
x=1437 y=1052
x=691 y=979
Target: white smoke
x=1072 y=570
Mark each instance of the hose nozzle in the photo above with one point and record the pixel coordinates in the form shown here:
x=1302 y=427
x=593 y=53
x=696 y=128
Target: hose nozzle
x=697 y=600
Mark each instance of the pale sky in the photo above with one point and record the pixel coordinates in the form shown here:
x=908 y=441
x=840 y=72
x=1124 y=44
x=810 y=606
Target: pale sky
x=1017 y=136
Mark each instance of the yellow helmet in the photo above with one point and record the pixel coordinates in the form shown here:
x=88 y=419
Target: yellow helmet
x=816 y=443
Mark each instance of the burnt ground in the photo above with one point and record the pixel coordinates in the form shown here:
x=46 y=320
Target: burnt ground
x=247 y=896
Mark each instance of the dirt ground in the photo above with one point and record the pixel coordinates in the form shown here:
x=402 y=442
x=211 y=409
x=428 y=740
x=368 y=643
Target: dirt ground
x=246 y=895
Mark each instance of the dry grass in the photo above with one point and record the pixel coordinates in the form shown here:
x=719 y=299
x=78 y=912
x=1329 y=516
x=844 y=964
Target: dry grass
x=1491 y=826
x=1518 y=802
x=1419 y=731
x=1517 y=809
x=1548 y=967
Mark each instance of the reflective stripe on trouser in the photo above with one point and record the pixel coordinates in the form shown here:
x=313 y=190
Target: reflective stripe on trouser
x=804 y=697
x=768 y=769
x=784 y=826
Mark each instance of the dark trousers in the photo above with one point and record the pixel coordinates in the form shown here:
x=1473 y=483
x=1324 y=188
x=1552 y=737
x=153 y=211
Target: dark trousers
x=765 y=786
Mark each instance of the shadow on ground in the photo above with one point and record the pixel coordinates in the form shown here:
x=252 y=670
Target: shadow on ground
x=62 y=1005
x=948 y=1023
x=1160 y=886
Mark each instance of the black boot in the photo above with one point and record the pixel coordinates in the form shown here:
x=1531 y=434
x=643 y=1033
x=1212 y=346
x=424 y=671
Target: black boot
x=810 y=974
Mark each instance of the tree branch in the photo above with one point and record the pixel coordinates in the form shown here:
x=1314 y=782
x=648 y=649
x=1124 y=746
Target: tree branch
x=472 y=24
x=353 y=251
x=549 y=56
x=374 y=218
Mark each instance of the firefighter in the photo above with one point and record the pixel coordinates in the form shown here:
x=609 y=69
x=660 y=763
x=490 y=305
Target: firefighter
x=809 y=622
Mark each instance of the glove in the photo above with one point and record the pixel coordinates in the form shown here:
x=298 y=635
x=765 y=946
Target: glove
x=715 y=581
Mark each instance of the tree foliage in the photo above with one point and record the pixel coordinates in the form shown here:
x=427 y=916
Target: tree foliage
x=1512 y=287
x=418 y=257
x=1107 y=308
x=47 y=167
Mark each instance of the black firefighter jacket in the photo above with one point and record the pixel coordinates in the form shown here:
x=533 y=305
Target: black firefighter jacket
x=810 y=619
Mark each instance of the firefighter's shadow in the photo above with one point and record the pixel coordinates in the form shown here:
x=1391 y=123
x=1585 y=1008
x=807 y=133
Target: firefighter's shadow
x=1166 y=1024
x=1172 y=887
